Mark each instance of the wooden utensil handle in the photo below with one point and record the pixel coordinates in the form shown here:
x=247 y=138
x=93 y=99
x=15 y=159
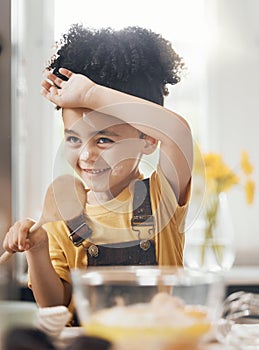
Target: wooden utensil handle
x=36 y=225
x=5 y=257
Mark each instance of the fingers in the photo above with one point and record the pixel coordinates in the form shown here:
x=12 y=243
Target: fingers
x=50 y=80
x=54 y=80
x=66 y=72
x=16 y=239
x=49 y=91
x=46 y=85
x=52 y=84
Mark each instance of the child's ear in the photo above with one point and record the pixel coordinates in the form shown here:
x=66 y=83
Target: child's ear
x=150 y=144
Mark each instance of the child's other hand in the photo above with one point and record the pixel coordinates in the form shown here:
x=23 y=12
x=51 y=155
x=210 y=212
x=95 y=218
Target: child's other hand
x=19 y=239
x=66 y=94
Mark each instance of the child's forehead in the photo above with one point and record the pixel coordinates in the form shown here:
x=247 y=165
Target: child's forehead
x=92 y=122
x=89 y=117
x=102 y=121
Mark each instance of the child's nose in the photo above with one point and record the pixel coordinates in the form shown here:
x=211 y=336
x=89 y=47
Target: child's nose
x=84 y=155
x=88 y=153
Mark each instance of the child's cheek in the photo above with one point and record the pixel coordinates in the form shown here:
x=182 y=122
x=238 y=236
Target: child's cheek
x=123 y=151
x=72 y=156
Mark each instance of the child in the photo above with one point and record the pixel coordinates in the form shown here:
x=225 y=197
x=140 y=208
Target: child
x=111 y=87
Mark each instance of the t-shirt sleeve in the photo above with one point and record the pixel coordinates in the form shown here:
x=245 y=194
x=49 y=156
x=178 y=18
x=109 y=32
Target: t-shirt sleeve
x=166 y=201
x=170 y=220
x=56 y=249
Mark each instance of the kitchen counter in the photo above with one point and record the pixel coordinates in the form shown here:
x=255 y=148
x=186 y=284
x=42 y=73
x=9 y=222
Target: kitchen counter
x=68 y=334
x=242 y=275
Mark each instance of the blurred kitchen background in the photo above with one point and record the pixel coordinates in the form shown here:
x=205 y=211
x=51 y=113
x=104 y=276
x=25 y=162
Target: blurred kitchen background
x=218 y=95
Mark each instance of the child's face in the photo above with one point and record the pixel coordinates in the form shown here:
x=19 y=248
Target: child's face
x=104 y=151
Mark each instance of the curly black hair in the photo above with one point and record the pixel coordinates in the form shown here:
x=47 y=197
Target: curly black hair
x=133 y=60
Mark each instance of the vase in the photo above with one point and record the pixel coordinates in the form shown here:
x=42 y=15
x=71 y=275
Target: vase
x=209 y=243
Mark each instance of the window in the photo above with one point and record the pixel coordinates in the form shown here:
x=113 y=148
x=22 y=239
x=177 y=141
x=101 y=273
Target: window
x=37 y=156
x=207 y=34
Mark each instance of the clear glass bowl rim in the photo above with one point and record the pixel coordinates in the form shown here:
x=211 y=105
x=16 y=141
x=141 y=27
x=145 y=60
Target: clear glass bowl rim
x=144 y=275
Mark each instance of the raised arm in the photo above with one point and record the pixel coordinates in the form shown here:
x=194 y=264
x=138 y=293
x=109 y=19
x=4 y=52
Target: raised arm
x=173 y=132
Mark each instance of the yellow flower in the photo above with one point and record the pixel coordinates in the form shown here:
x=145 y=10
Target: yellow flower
x=245 y=163
x=219 y=177
x=250 y=189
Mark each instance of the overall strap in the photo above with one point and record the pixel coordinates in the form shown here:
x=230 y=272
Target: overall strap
x=141 y=219
x=79 y=230
x=142 y=210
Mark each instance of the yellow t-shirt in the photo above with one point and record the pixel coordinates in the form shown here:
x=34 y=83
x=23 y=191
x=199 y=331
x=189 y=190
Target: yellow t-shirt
x=111 y=223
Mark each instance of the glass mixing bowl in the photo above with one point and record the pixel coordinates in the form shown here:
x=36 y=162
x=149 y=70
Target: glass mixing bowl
x=166 y=307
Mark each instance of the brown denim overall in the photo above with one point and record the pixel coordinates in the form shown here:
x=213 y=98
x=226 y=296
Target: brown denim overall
x=139 y=252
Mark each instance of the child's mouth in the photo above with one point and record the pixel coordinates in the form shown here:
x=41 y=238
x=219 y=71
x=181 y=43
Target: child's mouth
x=95 y=171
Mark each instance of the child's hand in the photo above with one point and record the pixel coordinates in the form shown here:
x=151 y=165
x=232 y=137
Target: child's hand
x=19 y=239
x=66 y=94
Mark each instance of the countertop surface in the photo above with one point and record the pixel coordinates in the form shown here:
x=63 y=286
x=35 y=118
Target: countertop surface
x=70 y=333
x=236 y=275
x=242 y=275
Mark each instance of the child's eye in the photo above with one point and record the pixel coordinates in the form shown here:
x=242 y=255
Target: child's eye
x=103 y=140
x=73 y=140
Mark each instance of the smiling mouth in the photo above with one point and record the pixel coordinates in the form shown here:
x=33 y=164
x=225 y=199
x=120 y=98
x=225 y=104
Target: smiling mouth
x=95 y=171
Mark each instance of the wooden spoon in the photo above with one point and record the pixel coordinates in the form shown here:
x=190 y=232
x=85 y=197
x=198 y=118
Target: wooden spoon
x=65 y=199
